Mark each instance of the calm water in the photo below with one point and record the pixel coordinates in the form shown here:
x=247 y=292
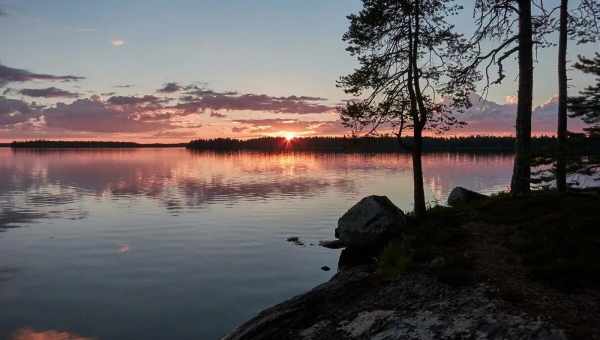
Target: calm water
x=170 y=244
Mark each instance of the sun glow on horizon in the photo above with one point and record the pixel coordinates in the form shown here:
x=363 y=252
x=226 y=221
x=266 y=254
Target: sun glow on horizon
x=289 y=136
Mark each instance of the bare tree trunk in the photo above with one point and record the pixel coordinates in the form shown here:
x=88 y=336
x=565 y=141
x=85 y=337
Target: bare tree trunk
x=419 y=192
x=561 y=134
x=416 y=109
x=522 y=169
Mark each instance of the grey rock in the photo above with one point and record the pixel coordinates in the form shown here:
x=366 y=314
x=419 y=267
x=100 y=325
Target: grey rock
x=370 y=222
x=295 y=240
x=355 y=257
x=414 y=307
x=438 y=262
x=312 y=332
x=281 y=321
x=364 y=322
x=332 y=244
x=460 y=196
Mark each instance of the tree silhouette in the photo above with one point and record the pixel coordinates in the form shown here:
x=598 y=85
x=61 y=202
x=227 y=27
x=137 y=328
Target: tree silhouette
x=587 y=107
x=412 y=73
x=587 y=104
x=582 y=24
x=514 y=24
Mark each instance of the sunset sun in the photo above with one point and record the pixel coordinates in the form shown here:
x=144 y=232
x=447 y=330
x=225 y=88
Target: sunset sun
x=289 y=136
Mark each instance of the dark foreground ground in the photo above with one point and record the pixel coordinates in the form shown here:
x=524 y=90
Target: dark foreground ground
x=504 y=268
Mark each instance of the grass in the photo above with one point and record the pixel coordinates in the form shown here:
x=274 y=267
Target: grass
x=434 y=245
x=555 y=236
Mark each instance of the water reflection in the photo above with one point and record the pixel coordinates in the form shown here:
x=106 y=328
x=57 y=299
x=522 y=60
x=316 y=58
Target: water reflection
x=30 y=334
x=7 y=273
x=179 y=179
x=145 y=242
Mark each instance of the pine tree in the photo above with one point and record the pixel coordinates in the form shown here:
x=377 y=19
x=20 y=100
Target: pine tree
x=414 y=72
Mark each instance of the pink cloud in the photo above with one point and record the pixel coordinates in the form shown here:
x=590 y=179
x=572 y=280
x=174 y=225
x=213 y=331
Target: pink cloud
x=198 y=99
x=488 y=117
x=94 y=115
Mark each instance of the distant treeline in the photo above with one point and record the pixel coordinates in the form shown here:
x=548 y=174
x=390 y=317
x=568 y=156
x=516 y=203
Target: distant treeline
x=43 y=144
x=379 y=144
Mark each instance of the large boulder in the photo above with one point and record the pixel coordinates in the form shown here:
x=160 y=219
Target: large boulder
x=370 y=222
x=461 y=196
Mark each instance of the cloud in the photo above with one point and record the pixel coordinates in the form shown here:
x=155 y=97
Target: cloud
x=117 y=42
x=174 y=134
x=50 y=92
x=94 y=115
x=484 y=117
x=133 y=100
x=511 y=100
x=117 y=114
x=170 y=88
x=198 y=99
x=488 y=117
x=14 y=111
x=9 y=74
x=275 y=126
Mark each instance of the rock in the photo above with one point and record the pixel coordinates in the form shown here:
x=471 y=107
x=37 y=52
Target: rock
x=332 y=244
x=325 y=268
x=282 y=321
x=370 y=222
x=353 y=257
x=353 y=306
x=295 y=240
x=364 y=322
x=460 y=195
x=312 y=332
x=438 y=262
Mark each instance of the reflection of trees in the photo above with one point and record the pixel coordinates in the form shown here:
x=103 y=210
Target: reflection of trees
x=487 y=173
x=36 y=181
x=53 y=184
x=13 y=218
x=198 y=192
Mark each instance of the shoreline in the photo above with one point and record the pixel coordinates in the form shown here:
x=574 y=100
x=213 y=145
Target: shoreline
x=472 y=144
x=483 y=286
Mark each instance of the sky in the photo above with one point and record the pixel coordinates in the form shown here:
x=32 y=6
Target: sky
x=171 y=71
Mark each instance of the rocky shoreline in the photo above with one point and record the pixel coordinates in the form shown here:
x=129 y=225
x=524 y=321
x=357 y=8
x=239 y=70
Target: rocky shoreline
x=354 y=304
x=361 y=302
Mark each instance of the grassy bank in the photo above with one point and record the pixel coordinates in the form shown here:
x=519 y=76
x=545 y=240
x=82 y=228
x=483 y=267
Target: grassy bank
x=541 y=252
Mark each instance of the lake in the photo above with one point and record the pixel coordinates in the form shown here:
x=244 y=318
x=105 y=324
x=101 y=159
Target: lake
x=174 y=244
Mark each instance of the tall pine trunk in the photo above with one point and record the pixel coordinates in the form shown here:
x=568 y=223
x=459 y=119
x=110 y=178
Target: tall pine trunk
x=522 y=168
x=561 y=134
x=419 y=192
